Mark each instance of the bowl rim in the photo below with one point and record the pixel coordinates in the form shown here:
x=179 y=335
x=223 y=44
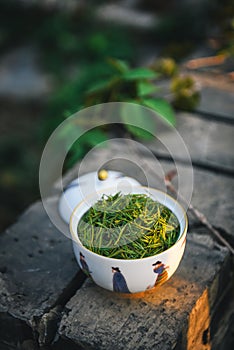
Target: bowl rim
x=76 y=239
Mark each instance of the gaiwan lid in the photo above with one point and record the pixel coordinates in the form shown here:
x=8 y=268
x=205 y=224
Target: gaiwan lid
x=89 y=183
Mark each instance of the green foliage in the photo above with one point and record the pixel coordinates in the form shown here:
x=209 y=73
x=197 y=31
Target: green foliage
x=145 y=128
x=88 y=140
x=75 y=49
x=115 y=81
x=135 y=85
x=145 y=88
x=139 y=74
x=99 y=60
x=71 y=95
x=69 y=41
x=162 y=107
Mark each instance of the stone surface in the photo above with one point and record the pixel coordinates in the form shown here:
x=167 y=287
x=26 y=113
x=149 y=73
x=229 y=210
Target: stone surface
x=212 y=194
x=127 y=16
x=60 y=4
x=209 y=143
x=21 y=76
x=174 y=316
x=26 y=262
x=217 y=93
x=36 y=266
x=217 y=102
x=223 y=325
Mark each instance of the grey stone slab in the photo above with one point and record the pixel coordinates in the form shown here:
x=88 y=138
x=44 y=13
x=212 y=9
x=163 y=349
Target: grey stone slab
x=127 y=16
x=21 y=76
x=209 y=142
x=216 y=94
x=216 y=89
x=57 y=4
x=223 y=327
x=217 y=102
x=36 y=265
x=213 y=195
x=174 y=316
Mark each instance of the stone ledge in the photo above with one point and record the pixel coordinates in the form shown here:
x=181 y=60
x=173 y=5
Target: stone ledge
x=33 y=249
x=209 y=142
x=69 y=5
x=36 y=266
x=217 y=102
x=174 y=316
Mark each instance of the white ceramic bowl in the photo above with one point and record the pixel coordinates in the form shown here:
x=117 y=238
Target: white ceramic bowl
x=133 y=275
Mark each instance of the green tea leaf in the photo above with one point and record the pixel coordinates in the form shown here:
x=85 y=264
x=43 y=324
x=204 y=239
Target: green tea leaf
x=129 y=226
x=140 y=73
x=163 y=108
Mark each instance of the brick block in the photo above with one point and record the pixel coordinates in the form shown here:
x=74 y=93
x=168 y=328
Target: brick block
x=177 y=315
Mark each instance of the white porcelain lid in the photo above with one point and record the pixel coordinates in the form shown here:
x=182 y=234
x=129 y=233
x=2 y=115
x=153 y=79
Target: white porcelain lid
x=86 y=184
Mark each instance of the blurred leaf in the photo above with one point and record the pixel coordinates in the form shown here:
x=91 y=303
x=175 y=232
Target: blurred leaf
x=95 y=136
x=81 y=146
x=66 y=133
x=138 y=123
x=76 y=152
x=120 y=65
x=102 y=85
x=163 y=108
x=139 y=132
x=140 y=73
x=145 y=88
x=99 y=86
x=98 y=42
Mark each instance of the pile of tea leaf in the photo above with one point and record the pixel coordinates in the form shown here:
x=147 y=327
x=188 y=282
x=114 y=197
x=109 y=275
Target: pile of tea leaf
x=129 y=226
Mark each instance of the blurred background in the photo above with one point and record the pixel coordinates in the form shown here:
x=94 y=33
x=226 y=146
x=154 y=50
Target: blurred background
x=53 y=51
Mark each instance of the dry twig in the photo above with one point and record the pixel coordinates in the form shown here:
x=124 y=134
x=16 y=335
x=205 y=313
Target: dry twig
x=206 y=61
